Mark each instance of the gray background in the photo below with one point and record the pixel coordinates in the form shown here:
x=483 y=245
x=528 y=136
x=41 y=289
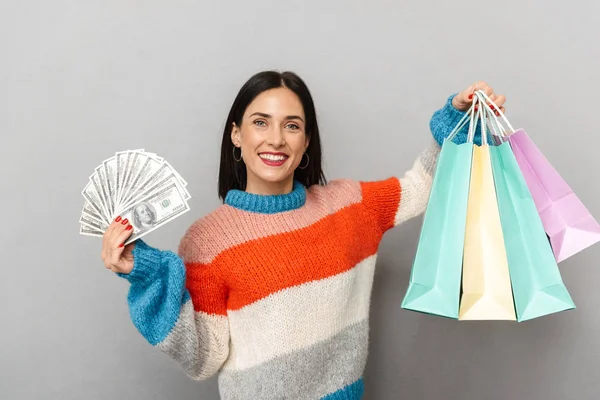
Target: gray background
x=81 y=80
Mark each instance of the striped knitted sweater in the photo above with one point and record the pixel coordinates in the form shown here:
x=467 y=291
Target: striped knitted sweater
x=273 y=292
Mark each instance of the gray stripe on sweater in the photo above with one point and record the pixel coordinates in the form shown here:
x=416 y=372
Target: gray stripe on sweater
x=308 y=374
x=199 y=342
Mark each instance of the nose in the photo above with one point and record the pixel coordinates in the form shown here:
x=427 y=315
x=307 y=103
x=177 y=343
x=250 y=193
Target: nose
x=276 y=138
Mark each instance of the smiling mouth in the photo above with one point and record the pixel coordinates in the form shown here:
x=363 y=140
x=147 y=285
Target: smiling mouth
x=273 y=159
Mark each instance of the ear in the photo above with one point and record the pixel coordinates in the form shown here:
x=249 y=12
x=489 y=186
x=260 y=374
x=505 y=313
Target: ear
x=235 y=135
x=306 y=143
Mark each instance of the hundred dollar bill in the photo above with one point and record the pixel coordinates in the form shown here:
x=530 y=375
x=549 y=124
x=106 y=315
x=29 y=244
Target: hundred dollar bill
x=110 y=167
x=102 y=191
x=148 y=190
x=124 y=162
x=161 y=160
x=92 y=223
x=88 y=231
x=93 y=198
x=179 y=177
x=91 y=212
x=137 y=163
x=150 y=212
x=153 y=176
x=148 y=168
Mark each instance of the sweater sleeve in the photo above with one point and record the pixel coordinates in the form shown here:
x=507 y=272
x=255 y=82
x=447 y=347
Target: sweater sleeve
x=165 y=307
x=398 y=199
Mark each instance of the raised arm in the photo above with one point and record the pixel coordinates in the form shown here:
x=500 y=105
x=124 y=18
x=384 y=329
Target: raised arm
x=398 y=199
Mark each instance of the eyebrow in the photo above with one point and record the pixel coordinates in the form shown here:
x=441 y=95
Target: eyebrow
x=270 y=116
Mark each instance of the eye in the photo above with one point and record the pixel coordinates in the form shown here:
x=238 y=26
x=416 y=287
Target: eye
x=292 y=126
x=259 y=122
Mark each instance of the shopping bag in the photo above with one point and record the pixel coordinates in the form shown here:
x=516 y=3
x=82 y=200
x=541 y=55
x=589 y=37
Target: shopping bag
x=435 y=278
x=537 y=285
x=571 y=228
x=486 y=287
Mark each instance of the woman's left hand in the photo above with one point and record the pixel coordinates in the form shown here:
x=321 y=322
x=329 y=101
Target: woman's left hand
x=464 y=99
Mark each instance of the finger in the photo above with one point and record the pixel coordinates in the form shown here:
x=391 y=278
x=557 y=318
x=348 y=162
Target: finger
x=500 y=100
x=123 y=236
x=126 y=262
x=484 y=87
x=488 y=91
x=108 y=236
x=118 y=246
x=114 y=225
x=117 y=230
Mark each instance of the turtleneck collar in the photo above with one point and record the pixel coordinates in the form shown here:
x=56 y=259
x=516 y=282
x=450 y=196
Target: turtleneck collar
x=267 y=204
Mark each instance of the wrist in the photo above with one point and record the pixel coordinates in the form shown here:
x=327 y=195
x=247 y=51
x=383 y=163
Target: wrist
x=146 y=263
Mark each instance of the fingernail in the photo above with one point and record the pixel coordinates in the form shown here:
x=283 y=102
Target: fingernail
x=128 y=228
x=492 y=107
x=497 y=113
x=122 y=244
x=118 y=219
x=125 y=221
x=470 y=96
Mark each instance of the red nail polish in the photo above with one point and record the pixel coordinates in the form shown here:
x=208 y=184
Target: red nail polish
x=117 y=219
x=122 y=244
x=497 y=113
x=125 y=221
x=492 y=107
x=128 y=227
x=470 y=96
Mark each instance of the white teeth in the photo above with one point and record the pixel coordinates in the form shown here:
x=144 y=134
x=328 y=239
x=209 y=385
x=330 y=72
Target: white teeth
x=272 y=157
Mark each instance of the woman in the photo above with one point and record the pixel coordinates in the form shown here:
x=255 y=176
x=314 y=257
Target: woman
x=272 y=289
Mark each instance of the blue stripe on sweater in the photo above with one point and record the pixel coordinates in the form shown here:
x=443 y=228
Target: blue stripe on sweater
x=353 y=391
x=157 y=291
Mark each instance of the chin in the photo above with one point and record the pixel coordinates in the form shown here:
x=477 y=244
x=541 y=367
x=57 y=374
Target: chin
x=273 y=179
x=277 y=177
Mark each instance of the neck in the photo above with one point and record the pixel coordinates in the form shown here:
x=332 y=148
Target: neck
x=270 y=188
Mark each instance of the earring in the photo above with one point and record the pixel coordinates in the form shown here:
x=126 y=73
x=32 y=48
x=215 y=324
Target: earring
x=307 y=161
x=234 y=157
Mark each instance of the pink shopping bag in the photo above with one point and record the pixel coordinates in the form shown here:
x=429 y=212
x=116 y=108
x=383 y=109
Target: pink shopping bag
x=567 y=222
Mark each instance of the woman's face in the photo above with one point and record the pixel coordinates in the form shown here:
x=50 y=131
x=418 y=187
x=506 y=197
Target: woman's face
x=273 y=139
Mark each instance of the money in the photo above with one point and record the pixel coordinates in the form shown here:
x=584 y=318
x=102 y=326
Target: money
x=137 y=185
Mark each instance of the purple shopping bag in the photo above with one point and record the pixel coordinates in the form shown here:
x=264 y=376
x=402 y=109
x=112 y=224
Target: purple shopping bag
x=567 y=222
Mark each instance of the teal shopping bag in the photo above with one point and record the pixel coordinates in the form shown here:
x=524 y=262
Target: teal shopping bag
x=538 y=288
x=435 y=278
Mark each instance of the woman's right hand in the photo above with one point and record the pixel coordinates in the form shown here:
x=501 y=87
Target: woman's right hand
x=116 y=257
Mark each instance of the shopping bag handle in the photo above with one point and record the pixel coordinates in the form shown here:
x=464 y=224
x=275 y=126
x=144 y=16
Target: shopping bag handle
x=481 y=93
x=481 y=116
x=468 y=117
x=496 y=127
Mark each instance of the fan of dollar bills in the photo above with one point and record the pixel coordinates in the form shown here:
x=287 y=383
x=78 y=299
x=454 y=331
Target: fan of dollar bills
x=137 y=185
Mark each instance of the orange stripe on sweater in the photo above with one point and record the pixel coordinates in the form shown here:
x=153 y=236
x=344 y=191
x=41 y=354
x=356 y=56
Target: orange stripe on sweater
x=227 y=227
x=258 y=268
x=208 y=291
x=383 y=199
